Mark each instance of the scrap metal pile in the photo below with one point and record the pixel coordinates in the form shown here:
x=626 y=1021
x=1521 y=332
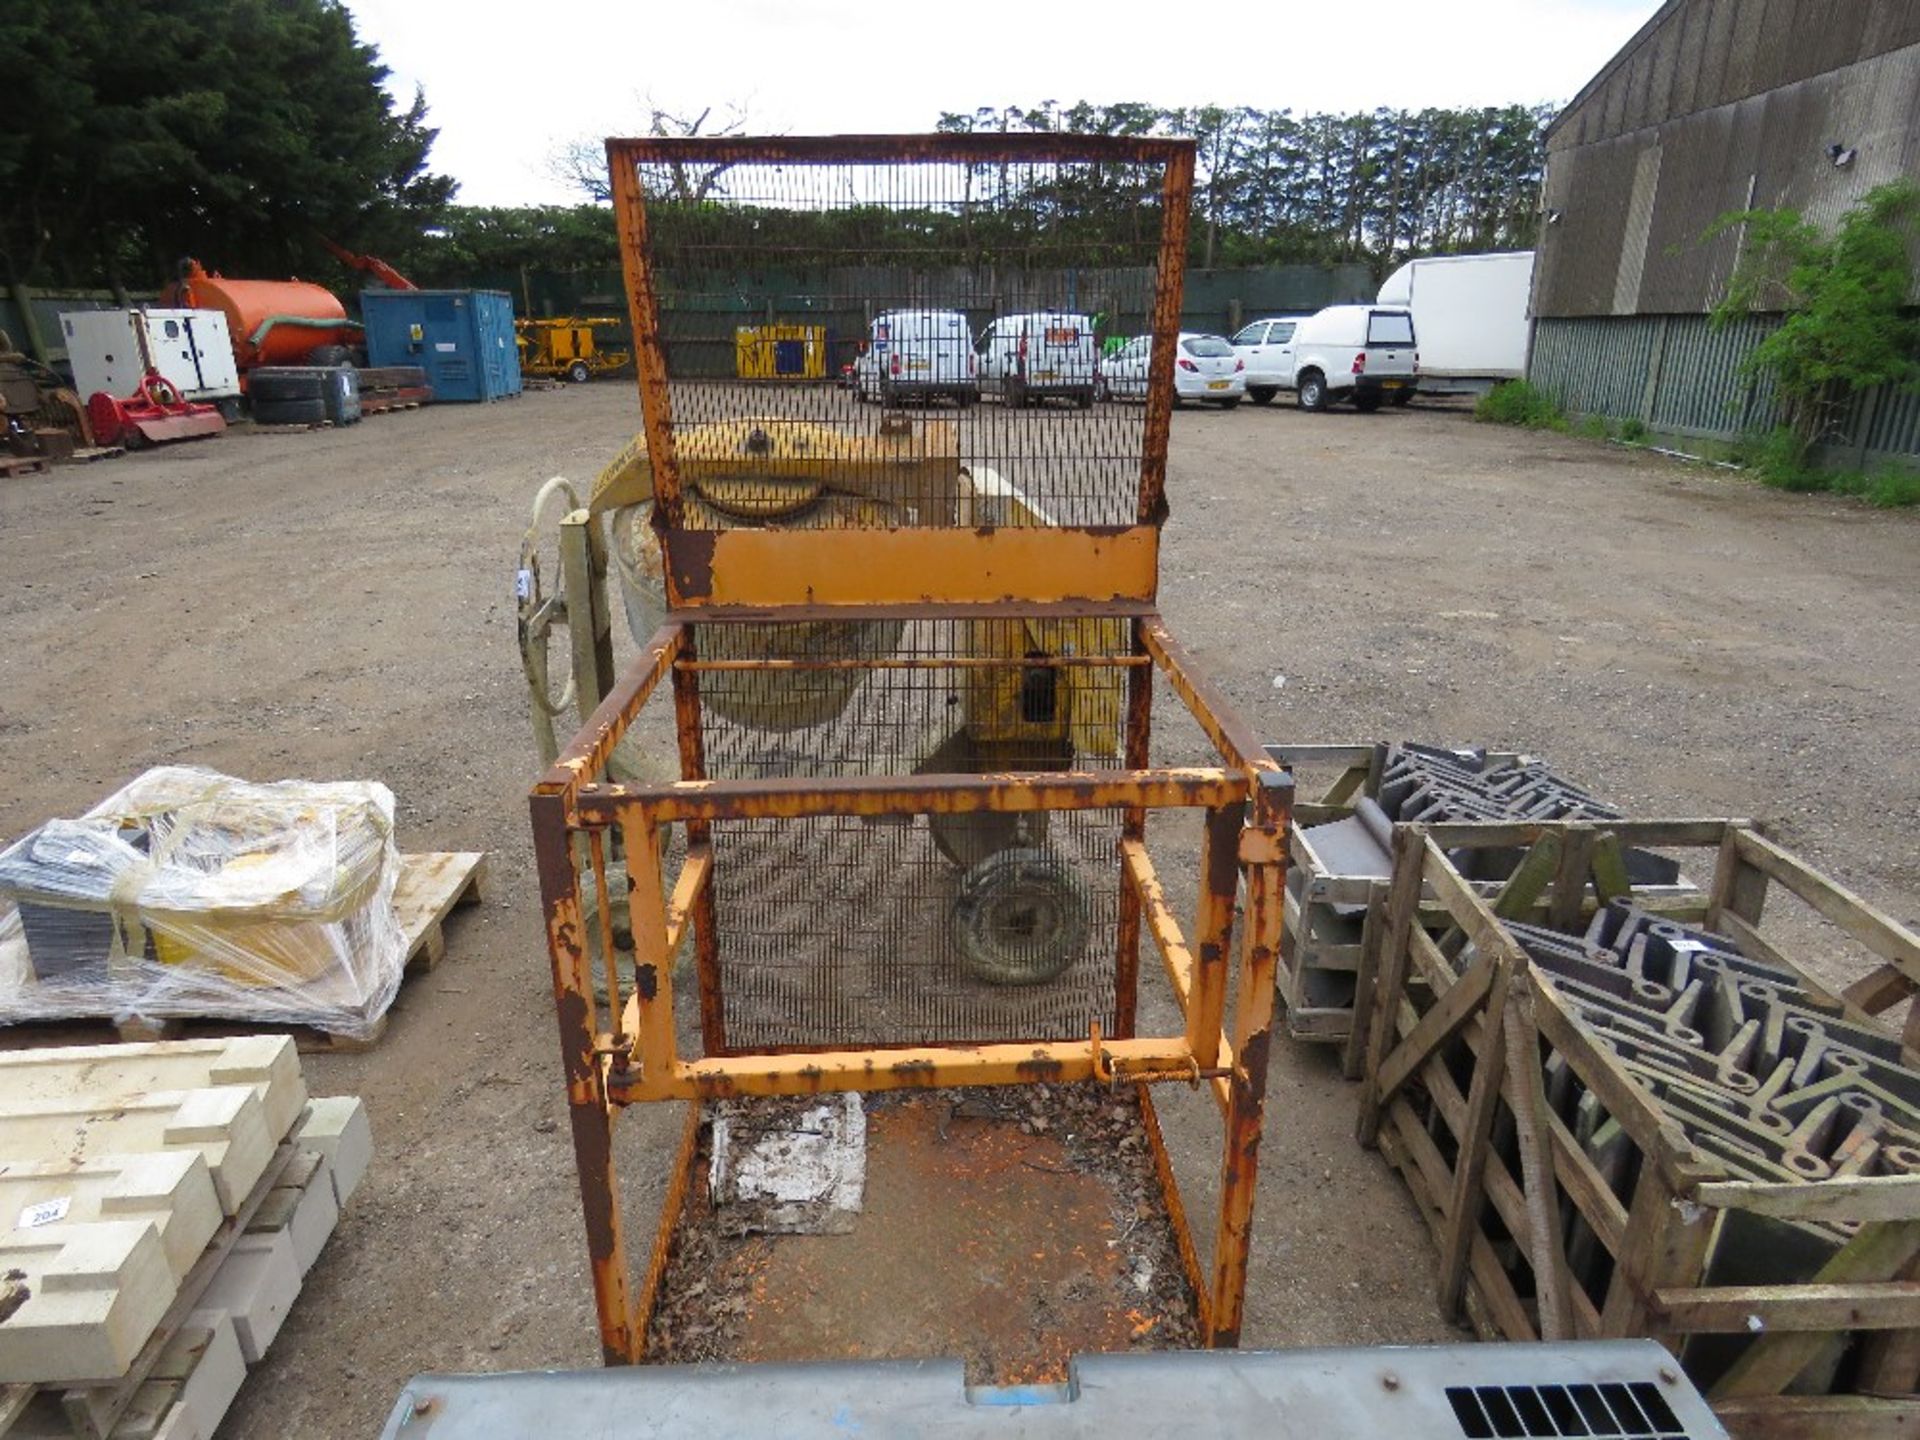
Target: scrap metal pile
x=1763 y=1074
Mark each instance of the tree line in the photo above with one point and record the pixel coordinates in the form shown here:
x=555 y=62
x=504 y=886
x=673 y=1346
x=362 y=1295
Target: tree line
x=243 y=131
x=1378 y=186
x=1271 y=187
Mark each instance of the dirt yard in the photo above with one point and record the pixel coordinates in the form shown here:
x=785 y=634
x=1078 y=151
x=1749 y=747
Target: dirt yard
x=339 y=604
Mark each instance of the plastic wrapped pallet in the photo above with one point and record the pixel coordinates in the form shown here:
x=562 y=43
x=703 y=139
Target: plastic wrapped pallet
x=193 y=894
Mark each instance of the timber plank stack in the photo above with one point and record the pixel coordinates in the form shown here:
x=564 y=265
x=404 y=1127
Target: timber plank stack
x=1643 y=1118
x=159 y=1206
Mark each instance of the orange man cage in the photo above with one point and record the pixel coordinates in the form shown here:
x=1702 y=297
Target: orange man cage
x=912 y=655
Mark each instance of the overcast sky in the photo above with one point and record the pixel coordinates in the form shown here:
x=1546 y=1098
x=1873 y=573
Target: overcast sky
x=508 y=82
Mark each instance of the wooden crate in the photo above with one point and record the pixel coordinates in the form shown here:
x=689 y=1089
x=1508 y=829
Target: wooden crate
x=1542 y=1234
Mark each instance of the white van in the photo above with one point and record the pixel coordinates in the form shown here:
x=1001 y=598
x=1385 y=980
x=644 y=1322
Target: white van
x=1363 y=353
x=1471 y=311
x=918 y=354
x=1026 y=358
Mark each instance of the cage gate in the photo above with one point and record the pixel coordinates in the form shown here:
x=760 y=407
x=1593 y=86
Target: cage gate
x=906 y=616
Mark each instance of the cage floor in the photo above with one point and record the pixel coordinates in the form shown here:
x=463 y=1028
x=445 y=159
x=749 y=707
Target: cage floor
x=1012 y=1228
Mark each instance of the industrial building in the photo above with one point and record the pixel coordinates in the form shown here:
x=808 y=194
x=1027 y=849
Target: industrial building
x=1714 y=106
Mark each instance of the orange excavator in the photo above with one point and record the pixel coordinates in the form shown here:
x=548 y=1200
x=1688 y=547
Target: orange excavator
x=369 y=265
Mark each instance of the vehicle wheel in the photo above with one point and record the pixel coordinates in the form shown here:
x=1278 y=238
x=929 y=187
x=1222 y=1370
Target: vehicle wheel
x=1021 y=917
x=578 y=372
x=274 y=384
x=1312 y=393
x=1012 y=392
x=965 y=398
x=1402 y=398
x=1084 y=399
x=1102 y=391
x=1178 y=402
x=1261 y=394
x=330 y=357
x=1366 y=404
x=289 y=412
x=1233 y=404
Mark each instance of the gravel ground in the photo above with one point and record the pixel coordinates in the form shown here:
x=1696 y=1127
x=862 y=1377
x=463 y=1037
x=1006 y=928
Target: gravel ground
x=337 y=604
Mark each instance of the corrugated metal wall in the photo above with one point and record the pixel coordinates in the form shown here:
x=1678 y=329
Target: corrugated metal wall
x=1720 y=106
x=1696 y=54
x=1678 y=375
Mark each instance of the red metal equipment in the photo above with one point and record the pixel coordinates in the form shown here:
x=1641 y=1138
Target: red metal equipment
x=152 y=415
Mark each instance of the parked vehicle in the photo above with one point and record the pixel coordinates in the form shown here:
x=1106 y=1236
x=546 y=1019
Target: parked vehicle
x=918 y=354
x=1266 y=347
x=1205 y=370
x=1470 y=312
x=1028 y=358
x=1362 y=353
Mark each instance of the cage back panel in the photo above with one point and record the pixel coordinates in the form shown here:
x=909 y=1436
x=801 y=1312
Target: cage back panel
x=839 y=930
x=754 y=266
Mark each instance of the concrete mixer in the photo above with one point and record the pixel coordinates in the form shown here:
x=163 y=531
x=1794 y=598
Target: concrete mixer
x=273 y=322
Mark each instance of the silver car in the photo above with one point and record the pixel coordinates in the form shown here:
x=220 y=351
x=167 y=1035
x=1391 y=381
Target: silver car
x=1205 y=370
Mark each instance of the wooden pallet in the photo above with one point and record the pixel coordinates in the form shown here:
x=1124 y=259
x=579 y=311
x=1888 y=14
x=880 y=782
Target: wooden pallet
x=12 y=465
x=90 y=453
x=431 y=886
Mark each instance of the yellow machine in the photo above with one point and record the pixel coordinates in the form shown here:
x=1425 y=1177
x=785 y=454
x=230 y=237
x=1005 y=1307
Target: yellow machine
x=565 y=348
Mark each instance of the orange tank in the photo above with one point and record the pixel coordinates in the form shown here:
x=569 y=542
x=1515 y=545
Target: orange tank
x=272 y=322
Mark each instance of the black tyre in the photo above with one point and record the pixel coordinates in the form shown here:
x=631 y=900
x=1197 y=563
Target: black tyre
x=1233 y=404
x=1084 y=399
x=1312 y=394
x=1365 y=402
x=1261 y=394
x=1021 y=917
x=965 y=398
x=1013 y=392
x=1402 y=398
x=330 y=356
x=289 y=412
x=275 y=384
x=578 y=372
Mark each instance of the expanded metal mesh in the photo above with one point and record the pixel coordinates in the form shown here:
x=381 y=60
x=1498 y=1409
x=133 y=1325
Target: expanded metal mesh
x=797 y=302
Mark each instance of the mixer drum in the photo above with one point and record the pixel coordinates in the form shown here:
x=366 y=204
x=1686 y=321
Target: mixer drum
x=775 y=475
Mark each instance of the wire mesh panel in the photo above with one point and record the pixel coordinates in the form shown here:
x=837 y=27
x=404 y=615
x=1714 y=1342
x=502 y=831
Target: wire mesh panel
x=788 y=294
x=914 y=929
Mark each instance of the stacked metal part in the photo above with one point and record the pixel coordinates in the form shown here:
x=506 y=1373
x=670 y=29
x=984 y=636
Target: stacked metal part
x=1433 y=785
x=1418 y=783
x=1763 y=1075
x=1759 y=1073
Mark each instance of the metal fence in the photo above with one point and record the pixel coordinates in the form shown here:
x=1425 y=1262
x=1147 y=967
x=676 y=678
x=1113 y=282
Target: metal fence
x=1215 y=300
x=1680 y=376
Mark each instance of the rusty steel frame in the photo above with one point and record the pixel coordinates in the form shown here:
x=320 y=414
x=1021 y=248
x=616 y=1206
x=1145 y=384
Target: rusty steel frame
x=630 y=1054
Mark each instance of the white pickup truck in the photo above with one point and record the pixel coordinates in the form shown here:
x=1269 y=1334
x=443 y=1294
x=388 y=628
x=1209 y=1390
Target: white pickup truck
x=1363 y=353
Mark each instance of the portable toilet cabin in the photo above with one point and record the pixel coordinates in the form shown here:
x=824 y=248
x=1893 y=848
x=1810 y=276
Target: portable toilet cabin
x=463 y=339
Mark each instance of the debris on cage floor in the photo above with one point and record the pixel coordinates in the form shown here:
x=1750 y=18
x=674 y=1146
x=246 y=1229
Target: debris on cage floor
x=1013 y=1227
